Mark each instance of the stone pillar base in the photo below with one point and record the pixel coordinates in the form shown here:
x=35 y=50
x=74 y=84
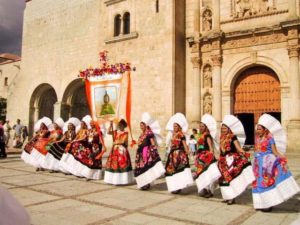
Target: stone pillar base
x=293 y=136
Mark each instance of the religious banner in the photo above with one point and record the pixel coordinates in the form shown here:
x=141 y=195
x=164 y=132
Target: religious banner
x=103 y=89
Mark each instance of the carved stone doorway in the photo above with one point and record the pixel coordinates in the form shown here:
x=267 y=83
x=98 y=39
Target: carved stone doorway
x=256 y=91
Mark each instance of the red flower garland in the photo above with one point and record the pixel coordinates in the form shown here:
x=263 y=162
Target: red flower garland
x=104 y=68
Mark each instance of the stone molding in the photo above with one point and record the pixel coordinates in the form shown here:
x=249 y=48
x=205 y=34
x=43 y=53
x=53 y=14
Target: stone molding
x=248 y=40
x=123 y=37
x=256 y=16
x=111 y=2
x=293 y=51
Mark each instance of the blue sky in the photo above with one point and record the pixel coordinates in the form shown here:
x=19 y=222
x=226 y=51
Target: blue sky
x=11 y=23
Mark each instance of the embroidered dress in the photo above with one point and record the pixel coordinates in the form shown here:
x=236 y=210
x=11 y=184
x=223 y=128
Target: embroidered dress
x=56 y=150
x=178 y=172
x=87 y=155
x=34 y=151
x=235 y=168
x=207 y=171
x=118 y=166
x=274 y=182
x=68 y=163
x=148 y=165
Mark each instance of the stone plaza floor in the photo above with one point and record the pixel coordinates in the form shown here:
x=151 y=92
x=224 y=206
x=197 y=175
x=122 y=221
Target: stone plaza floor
x=55 y=198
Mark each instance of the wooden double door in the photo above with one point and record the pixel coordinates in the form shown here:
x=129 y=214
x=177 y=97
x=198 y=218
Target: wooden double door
x=256 y=91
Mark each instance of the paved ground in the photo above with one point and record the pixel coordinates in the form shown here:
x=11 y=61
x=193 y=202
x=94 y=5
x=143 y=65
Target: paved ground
x=55 y=198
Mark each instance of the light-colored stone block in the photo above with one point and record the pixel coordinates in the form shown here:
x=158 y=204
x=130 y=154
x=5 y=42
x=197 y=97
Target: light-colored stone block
x=71 y=187
x=69 y=212
x=126 y=198
x=28 y=197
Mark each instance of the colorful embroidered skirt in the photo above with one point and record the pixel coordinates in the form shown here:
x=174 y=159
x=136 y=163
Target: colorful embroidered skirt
x=207 y=171
x=54 y=155
x=148 y=166
x=237 y=174
x=118 y=167
x=274 y=182
x=178 y=171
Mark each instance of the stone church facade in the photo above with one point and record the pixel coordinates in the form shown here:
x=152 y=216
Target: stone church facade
x=193 y=56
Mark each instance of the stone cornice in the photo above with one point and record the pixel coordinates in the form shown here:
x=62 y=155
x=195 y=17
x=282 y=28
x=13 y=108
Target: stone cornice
x=123 y=37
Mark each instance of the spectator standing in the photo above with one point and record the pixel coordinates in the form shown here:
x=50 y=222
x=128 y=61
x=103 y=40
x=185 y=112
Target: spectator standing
x=7 y=129
x=2 y=141
x=17 y=136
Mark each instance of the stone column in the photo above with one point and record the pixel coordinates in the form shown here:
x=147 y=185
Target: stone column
x=217 y=87
x=292 y=9
x=195 y=110
x=36 y=114
x=294 y=81
x=57 y=110
x=216 y=15
x=196 y=17
x=122 y=25
x=293 y=127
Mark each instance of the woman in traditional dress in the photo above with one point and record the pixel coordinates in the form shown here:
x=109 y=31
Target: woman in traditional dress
x=35 y=149
x=207 y=171
x=56 y=149
x=274 y=182
x=55 y=134
x=148 y=165
x=68 y=163
x=87 y=150
x=178 y=172
x=234 y=164
x=118 y=169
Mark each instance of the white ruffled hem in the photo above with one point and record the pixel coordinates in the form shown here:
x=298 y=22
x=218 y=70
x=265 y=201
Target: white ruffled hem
x=238 y=185
x=66 y=163
x=37 y=158
x=51 y=163
x=26 y=157
x=150 y=175
x=180 y=180
x=118 y=178
x=84 y=171
x=208 y=177
x=282 y=192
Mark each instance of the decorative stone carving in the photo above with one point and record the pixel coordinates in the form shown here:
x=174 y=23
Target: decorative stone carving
x=207 y=20
x=196 y=62
x=207 y=104
x=246 y=8
x=207 y=76
x=217 y=60
x=293 y=51
x=254 y=40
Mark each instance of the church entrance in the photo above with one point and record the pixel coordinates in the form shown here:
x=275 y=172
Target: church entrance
x=256 y=91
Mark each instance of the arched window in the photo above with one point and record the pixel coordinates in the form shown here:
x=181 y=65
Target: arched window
x=126 y=21
x=117 y=25
x=6 y=81
x=157 y=6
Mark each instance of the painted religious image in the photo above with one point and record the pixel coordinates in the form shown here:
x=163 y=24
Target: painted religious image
x=106 y=101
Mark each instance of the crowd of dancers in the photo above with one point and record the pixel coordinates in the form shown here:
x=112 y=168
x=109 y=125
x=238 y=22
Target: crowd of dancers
x=76 y=147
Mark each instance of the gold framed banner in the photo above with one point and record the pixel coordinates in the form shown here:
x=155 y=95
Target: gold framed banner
x=105 y=94
x=103 y=87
